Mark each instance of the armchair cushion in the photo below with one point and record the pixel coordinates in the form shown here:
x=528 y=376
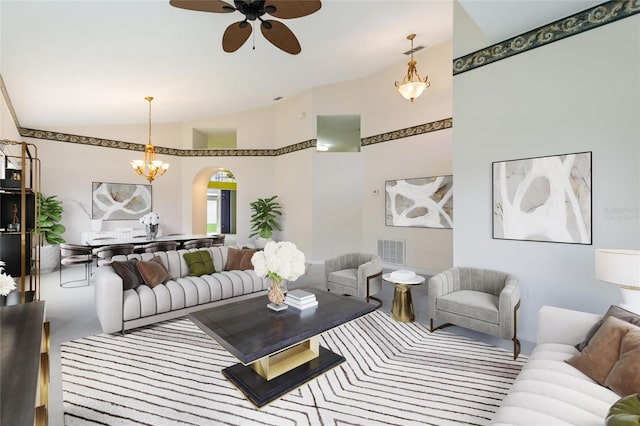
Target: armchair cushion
x=474 y=304
x=347 y=277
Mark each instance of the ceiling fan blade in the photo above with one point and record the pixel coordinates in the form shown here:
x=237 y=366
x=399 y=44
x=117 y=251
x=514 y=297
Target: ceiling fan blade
x=287 y=9
x=280 y=36
x=217 y=6
x=235 y=35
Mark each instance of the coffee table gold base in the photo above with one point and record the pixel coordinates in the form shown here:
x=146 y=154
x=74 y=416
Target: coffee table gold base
x=402 y=308
x=286 y=360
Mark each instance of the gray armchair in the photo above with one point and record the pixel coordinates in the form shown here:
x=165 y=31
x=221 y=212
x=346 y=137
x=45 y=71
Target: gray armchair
x=355 y=274
x=479 y=299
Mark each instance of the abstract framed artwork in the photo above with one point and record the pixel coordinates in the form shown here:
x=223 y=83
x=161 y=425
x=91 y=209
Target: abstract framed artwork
x=119 y=201
x=543 y=199
x=425 y=202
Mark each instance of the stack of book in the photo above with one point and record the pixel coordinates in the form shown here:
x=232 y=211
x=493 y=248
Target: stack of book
x=301 y=299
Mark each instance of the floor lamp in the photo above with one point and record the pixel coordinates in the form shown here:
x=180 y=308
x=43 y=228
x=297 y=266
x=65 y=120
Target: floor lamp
x=621 y=267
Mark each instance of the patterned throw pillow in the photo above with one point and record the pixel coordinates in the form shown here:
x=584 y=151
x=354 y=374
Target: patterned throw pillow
x=153 y=272
x=200 y=263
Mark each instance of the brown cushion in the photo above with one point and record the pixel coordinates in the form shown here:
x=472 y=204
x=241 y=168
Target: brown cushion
x=613 y=311
x=624 y=378
x=603 y=351
x=129 y=273
x=153 y=272
x=199 y=262
x=239 y=260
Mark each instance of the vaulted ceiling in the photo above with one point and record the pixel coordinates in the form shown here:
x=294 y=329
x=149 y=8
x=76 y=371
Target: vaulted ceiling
x=92 y=62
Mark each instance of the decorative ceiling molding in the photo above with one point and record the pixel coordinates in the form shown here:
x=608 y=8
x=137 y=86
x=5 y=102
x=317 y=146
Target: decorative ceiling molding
x=311 y=143
x=586 y=20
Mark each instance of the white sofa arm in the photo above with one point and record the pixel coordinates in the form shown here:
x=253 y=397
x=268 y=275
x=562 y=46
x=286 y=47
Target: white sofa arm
x=108 y=299
x=559 y=325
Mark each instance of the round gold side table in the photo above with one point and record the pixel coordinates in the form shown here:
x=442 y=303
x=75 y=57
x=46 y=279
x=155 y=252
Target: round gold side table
x=402 y=308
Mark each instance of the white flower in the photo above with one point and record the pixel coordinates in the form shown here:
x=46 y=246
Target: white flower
x=280 y=261
x=7 y=284
x=150 y=219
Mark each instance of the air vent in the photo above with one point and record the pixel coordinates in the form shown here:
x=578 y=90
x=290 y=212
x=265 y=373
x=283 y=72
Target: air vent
x=414 y=50
x=391 y=251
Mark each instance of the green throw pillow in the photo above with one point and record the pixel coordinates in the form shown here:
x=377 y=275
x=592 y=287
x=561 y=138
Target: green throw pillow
x=200 y=263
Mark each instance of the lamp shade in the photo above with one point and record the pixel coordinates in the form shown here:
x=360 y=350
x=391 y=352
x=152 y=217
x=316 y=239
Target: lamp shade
x=620 y=267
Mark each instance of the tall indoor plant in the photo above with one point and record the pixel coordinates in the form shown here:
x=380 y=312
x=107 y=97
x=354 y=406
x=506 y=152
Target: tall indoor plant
x=264 y=219
x=49 y=226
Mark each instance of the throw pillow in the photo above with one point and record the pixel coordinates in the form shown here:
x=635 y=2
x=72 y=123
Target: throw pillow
x=624 y=378
x=603 y=351
x=613 y=311
x=129 y=273
x=199 y=262
x=153 y=272
x=239 y=260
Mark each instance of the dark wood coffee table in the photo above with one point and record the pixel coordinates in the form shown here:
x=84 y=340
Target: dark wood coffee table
x=278 y=351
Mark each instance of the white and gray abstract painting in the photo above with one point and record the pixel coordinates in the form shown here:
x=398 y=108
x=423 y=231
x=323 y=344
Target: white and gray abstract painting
x=543 y=199
x=120 y=201
x=423 y=202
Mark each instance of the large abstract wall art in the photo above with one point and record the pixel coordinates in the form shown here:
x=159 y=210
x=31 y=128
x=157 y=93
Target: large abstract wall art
x=543 y=199
x=120 y=201
x=422 y=202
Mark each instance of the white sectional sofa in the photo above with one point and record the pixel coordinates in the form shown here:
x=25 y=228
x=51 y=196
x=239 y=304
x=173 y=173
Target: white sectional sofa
x=119 y=310
x=548 y=391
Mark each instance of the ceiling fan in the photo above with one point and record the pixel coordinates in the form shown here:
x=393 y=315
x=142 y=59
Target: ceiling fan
x=274 y=31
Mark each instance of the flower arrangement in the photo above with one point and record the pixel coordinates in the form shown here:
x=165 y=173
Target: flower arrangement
x=279 y=260
x=7 y=284
x=150 y=219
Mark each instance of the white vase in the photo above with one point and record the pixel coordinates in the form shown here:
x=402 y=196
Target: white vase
x=261 y=242
x=49 y=258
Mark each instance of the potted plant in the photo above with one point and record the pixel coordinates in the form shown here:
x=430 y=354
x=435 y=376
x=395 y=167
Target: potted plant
x=49 y=226
x=266 y=212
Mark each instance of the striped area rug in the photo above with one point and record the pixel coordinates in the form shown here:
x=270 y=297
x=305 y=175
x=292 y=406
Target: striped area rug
x=395 y=374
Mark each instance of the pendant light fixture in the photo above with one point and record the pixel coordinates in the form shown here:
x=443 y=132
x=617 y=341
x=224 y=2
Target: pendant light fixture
x=149 y=168
x=412 y=85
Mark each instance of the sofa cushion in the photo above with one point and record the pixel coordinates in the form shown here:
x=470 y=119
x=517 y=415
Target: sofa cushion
x=199 y=263
x=239 y=260
x=345 y=277
x=613 y=311
x=129 y=273
x=624 y=377
x=603 y=351
x=153 y=272
x=469 y=303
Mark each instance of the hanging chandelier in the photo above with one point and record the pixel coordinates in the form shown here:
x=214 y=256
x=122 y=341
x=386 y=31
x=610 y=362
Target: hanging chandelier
x=412 y=85
x=149 y=168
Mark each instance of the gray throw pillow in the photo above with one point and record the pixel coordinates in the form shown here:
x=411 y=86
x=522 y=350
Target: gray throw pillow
x=613 y=311
x=129 y=273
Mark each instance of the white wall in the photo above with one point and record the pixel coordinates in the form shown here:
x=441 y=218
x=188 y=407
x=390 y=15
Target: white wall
x=577 y=94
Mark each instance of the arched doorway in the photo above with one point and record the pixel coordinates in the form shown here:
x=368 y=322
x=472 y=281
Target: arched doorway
x=221 y=203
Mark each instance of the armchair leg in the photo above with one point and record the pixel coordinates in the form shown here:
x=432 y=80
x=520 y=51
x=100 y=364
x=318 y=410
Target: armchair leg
x=369 y=278
x=516 y=342
x=431 y=329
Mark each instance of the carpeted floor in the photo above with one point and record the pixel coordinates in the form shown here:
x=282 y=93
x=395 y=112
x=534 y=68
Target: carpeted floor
x=395 y=374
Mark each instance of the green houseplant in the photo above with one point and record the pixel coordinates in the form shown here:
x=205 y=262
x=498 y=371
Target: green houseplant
x=49 y=226
x=264 y=219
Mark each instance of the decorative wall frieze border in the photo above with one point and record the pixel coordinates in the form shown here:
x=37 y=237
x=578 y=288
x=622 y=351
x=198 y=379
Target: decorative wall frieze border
x=311 y=143
x=589 y=19
x=409 y=131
